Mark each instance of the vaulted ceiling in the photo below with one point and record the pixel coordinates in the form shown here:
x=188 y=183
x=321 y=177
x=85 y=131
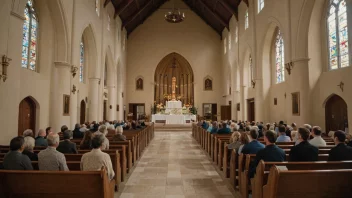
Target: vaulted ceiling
x=216 y=13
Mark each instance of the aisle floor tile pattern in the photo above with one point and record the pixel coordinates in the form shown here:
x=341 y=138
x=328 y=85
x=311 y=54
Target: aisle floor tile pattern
x=174 y=166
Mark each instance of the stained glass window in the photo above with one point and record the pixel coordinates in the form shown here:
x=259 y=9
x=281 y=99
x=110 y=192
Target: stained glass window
x=246 y=23
x=97 y=7
x=338 y=35
x=260 y=5
x=280 y=58
x=30 y=37
x=236 y=34
x=81 y=62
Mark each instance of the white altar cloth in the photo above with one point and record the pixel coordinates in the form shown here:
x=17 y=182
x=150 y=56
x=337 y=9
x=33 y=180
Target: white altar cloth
x=173 y=104
x=173 y=119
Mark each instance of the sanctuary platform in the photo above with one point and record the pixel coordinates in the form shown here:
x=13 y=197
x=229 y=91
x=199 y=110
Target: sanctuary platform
x=174 y=114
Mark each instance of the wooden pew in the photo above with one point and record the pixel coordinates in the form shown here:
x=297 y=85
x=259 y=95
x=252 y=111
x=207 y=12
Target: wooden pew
x=263 y=168
x=244 y=174
x=58 y=184
x=280 y=181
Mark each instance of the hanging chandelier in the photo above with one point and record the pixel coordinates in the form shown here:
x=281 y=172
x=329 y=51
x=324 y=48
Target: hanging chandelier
x=175 y=15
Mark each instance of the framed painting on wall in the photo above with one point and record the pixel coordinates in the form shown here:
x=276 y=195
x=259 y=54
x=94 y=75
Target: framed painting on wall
x=296 y=104
x=139 y=84
x=66 y=105
x=208 y=85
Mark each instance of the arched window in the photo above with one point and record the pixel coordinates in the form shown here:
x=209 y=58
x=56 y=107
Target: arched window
x=97 y=7
x=260 y=5
x=81 y=62
x=246 y=23
x=280 y=58
x=338 y=35
x=30 y=37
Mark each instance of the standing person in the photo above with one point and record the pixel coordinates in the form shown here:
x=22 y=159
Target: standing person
x=50 y=159
x=15 y=160
x=271 y=153
x=304 y=151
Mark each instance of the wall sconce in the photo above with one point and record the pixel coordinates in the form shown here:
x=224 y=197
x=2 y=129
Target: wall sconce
x=74 y=70
x=74 y=89
x=253 y=83
x=105 y=94
x=341 y=85
x=99 y=81
x=5 y=63
x=289 y=67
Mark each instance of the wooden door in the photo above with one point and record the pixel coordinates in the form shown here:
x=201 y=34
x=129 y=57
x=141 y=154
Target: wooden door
x=26 y=115
x=83 y=112
x=335 y=114
x=225 y=112
x=214 y=111
x=250 y=110
x=104 y=110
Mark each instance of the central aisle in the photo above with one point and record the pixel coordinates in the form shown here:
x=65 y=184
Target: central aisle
x=174 y=166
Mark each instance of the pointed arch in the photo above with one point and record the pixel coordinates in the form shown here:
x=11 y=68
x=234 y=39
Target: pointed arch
x=28 y=114
x=91 y=70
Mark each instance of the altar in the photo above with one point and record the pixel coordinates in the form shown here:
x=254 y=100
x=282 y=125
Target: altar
x=174 y=113
x=173 y=119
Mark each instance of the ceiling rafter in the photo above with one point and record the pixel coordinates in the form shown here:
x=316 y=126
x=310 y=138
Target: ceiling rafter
x=130 y=19
x=121 y=8
x=225 y=24
x=229 y=8
x=106 y=3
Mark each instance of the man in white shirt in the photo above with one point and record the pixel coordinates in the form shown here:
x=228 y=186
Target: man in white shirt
x=317 y=141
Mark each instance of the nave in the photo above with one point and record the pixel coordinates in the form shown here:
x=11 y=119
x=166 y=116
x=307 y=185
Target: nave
x=174 y=166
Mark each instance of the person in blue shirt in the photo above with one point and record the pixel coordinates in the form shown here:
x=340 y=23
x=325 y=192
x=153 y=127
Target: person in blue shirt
x=205 y=125
x=254 y=146
x=283 y=137
x=215 y=128
x=224 y=129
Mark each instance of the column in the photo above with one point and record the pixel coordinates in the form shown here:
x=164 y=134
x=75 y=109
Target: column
x=93 y=99
x=111 y=101
x=62 y=78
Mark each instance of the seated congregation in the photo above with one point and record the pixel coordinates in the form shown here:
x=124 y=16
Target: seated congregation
x=100 y=151
x=262 y=160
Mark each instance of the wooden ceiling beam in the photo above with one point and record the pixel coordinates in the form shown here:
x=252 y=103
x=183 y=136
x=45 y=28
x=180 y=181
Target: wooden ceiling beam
x=214 y=14
x=229 y=8
x=130 y=19
x=120 y=9
x=106 y=3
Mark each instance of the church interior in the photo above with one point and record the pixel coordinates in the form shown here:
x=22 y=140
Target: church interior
x=172 y=64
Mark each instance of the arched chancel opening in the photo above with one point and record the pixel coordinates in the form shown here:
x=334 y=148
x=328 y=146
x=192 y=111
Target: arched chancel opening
x=27 y=115
x=174 y=65
x=83 y=112
x=335 y=113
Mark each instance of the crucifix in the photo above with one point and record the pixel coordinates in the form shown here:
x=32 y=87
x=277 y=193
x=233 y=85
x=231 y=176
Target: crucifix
x=173 y=81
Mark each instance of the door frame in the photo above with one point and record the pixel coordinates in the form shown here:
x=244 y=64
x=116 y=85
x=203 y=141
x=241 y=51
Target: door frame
x=35 y=110
x=85 y=112
x=132 y=110
x=249 y=113
x=328 y=111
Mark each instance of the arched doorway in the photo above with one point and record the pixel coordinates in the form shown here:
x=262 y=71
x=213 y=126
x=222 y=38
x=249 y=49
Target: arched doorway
x=83 y=112
x=26 y=115
x=335 y=113
x=174 y=65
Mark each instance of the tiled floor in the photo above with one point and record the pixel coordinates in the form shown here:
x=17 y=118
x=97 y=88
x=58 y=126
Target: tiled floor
x=174 y=166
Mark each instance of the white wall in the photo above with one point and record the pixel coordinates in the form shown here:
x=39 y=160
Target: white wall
x=193 y=39
x=62 y=23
